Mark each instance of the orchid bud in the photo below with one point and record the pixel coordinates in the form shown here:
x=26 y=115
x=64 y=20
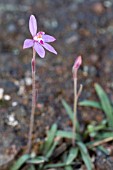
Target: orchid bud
x=76 y=66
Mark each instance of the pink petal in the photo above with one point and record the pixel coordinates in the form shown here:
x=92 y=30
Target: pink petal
x=39 y=49
x=33 y=25
x=49 y=48
x=28 y=43
x=48 y=38
x=77 y=63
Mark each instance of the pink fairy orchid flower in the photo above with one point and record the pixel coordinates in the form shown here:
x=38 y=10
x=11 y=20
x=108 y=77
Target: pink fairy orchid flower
x=39 y=40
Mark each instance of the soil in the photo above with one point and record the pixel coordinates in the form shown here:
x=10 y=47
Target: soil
x=81 y=27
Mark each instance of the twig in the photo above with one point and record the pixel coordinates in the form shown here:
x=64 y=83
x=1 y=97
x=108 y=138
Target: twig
x=102 y=141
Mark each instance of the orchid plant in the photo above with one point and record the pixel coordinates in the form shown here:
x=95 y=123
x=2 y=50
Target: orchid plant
x=75 y=68
x=38 y=42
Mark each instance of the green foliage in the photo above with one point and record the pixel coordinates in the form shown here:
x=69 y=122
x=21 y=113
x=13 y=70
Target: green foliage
x=50 y=138
x=73 y=152
x=70 y=114
x=67 y=159
x=85 y=155
x=90 y=103
x=104 y=104
x=20 y=162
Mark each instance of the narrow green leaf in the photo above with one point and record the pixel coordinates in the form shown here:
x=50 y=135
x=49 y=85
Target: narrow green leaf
x=20 y=162
x=68 y=109
x=50 y=138
x=68 y=167
x=85 y=155
x=104 y=150
x=105 y=135
x=72 y=155
x=67 y=134
x=70 y=114
x=56 y=165
x=37 y=160
x=90 y=103
x=31 y=167
x=105 y=103
x=50 y=152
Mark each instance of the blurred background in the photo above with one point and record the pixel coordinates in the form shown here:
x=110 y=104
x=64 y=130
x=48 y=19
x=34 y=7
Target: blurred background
x=81 y=27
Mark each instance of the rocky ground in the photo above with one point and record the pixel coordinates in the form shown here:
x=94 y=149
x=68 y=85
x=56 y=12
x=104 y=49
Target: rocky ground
x=81 y=27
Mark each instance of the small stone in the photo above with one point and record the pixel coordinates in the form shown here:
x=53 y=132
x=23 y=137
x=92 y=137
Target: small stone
x=21 y=90
x=7 y=97
x=28 y=81
x=98 y=8
x=11 y=28
x=107 y=4
x=14 y=104
x=11 y=120
x=1 y=93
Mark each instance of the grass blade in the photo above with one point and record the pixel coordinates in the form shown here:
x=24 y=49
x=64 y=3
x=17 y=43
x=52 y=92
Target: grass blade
x=85 y=155
x=50 y=138
x=90 y=103
x=56 y=165
x=31 y=167
x=70 y=113
x=37 y=160
x=72 y=155
x=67 y=134
x=105 y=103
x=68 y=167
x=50 y=152
x=20 y=162
x=68 y=109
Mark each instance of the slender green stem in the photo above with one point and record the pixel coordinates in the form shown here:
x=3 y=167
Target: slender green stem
x=75 y=110
x=33 y=104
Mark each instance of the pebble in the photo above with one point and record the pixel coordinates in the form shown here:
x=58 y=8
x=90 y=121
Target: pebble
x=11 y=28
x=11 y=120
x=51 y=23
x=1 y=93
x=28 y=81
x=7 y=97
x=14 y=104
x=98 y=8
x=107 y=4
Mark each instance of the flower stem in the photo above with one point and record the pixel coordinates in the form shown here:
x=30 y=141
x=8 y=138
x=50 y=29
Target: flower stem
x=33 y=63
x=75 y=111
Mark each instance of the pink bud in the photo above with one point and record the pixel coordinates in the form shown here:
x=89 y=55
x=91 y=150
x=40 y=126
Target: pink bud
x=77 y=63
x=76 y=66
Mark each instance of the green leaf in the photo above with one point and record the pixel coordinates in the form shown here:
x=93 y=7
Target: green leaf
x=104 y=150
x=67 y=134
x=20 y=162
x=56 y=165
x=31 y=167
x=68 y=109
x=70 y=113
x=37 y=160
x=90 y=103
x=85 y=155
x=105 y=103
x=72 y=155
x=50 y=152
x=50 y=138
x=105 y=135
x=68 y=167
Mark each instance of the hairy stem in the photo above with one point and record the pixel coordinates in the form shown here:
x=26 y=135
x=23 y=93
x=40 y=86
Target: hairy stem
x=75 y=111
x=33 y=103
